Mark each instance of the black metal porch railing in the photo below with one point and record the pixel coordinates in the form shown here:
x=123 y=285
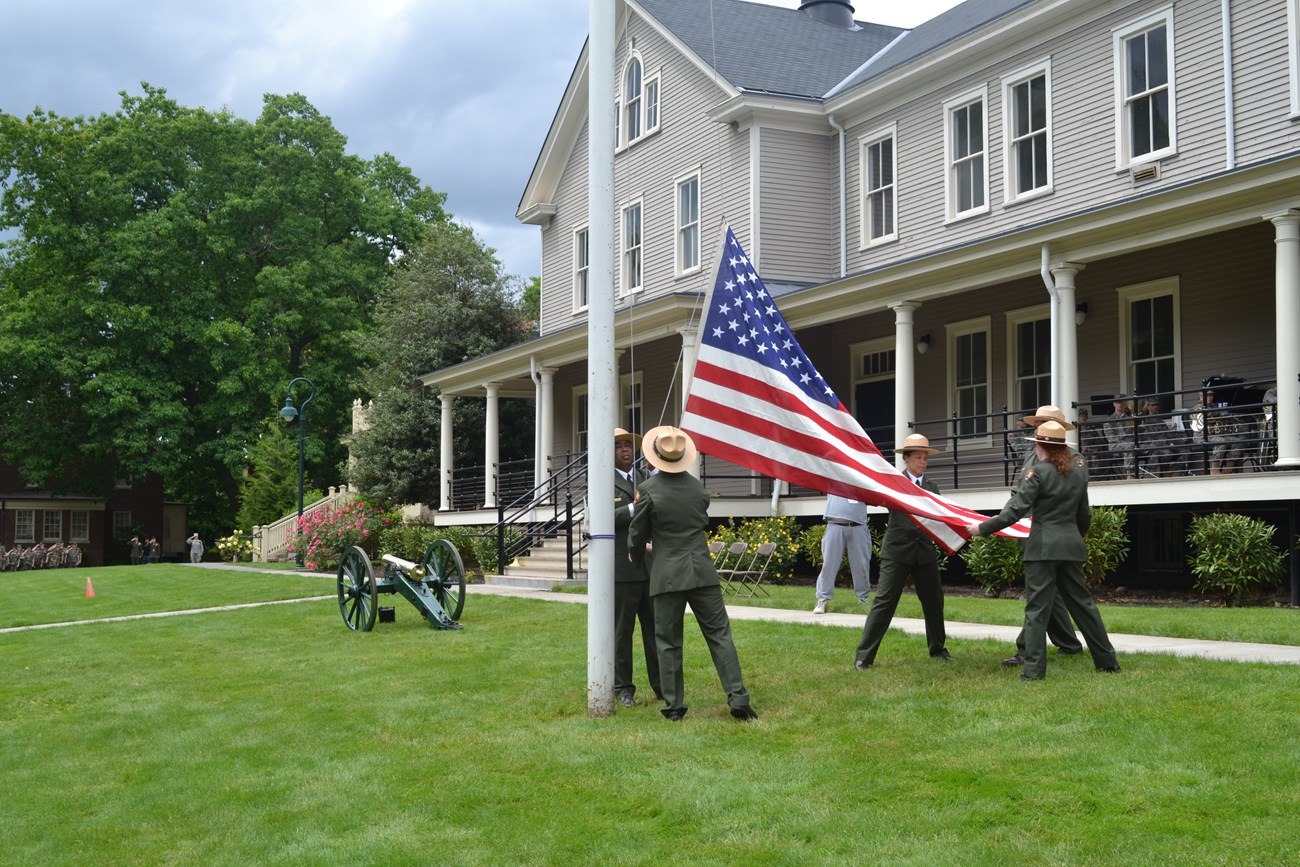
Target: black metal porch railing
x=561 y=490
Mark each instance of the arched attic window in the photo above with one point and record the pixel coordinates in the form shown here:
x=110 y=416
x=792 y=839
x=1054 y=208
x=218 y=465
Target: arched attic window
x=640 y=110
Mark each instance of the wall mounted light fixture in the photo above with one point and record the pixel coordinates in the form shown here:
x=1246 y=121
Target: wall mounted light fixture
x=1080 y=313
x=923 y=345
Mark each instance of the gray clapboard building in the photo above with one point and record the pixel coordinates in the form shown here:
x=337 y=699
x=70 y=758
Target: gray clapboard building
x=1015 y=201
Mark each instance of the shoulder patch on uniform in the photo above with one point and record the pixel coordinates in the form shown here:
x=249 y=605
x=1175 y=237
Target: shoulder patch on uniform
x=1079 y=461
x=1029 y=473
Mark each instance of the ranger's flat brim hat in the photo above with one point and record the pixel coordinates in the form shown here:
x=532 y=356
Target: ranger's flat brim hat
x=669 y=449
x=621 y=435
x=1049 y=433
x=1047 y=412
x=917 y=443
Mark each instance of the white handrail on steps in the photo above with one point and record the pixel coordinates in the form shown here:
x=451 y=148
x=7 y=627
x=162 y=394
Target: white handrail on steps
x=271 y=541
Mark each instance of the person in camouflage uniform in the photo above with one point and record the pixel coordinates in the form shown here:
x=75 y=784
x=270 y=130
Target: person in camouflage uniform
x=1222 y=434
x=1119 y=438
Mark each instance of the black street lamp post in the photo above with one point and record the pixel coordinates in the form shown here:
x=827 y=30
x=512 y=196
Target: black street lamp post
x=288 y=413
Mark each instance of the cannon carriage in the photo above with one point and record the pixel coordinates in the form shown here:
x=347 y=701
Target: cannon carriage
x=435 y=586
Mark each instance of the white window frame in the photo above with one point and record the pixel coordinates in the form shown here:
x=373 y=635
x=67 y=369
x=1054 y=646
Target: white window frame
x=953 y=164
x=955 y=331
x=25 y=526
x=581 y=407
x=1141 y=292
x=689 y=233
x=642 y=107
x=79 y=525
x=631 y=391
x=1010 y=165
x=52 y=525
x=1016 y=318
x=1293 y=54
x=890 y=190
x=633 y=253
x=1124 y=158
x=581 y=268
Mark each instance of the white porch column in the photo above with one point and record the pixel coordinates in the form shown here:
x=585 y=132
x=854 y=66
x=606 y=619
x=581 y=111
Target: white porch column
x=1286 y=291
x=545 y=423
x=904 y=373
x=1067 y=338
x=447 y=458
x=491 y=445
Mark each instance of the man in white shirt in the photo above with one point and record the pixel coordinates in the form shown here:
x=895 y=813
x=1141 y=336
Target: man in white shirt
x=846 y=530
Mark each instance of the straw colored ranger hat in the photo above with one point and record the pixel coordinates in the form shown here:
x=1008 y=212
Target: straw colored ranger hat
x=1048 y=412
x=1049 y=433
x=917 y=443
x=621 y=435
x=669 y=449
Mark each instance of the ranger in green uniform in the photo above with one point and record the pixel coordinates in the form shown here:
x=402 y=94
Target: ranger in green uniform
x=631 y=583
x=1055 y=490
x=1060 y=629
x=671 y=519
x=907 y=551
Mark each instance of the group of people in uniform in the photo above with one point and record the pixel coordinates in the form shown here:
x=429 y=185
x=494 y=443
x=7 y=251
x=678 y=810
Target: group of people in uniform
x=40 y=556
x=663 y=563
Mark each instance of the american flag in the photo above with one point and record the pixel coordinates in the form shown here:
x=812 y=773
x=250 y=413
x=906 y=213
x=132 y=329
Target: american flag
x=757 y=401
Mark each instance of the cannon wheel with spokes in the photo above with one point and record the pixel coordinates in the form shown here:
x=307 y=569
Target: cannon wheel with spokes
x=358 y=596
x=444 y=573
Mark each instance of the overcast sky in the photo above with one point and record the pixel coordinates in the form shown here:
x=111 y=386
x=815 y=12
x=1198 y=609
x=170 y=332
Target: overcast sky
x=461 y=91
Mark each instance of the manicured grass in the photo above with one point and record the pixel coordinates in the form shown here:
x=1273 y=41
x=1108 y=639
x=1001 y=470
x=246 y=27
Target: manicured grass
x=276 y=736
x=59 y=595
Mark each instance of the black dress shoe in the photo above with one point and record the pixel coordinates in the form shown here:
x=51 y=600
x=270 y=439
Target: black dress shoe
x=860 y=665
x=744 y=713
x=673 y=714
x=625 y=698
x=1026 y=677
x=1013 y=661
x=1109 y=669
x=943 y=654
x=1069 y=651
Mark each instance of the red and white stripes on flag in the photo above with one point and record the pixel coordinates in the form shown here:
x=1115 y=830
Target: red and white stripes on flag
x=757 y=401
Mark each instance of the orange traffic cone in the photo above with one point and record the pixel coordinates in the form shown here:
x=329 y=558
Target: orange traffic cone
x=90 y=589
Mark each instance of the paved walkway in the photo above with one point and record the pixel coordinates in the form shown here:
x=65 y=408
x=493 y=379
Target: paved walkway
x=1228 y=650
x=1233 y=651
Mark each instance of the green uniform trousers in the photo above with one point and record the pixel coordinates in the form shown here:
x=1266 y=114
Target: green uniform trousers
x=929 y=590
x=1044 y=581
x=711 y=615
x=632 y=602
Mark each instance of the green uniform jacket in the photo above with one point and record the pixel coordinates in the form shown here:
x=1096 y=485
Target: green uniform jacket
x=1060 y=508
x=1032 y=458
x=906 y=542
x=673 y=513
x=624 y=494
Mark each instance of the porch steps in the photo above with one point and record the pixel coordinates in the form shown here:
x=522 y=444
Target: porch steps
x=543 y=568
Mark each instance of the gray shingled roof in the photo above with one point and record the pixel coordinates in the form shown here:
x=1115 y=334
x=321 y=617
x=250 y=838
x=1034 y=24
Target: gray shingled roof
x=938 y=32
x=769 y=49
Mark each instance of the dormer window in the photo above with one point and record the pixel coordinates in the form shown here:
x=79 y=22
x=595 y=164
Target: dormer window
x=638 y=115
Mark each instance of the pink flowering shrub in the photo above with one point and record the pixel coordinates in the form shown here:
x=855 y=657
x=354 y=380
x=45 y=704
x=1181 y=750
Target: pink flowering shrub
x=325 y=534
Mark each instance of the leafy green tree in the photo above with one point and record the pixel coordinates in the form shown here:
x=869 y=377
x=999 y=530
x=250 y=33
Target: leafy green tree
x=271 y=488
x=447 y=302
x=532 y=300
x=174 y=269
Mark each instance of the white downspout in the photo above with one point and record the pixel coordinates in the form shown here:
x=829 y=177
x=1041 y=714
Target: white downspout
x=1046 y=271
x=844 y=228
x=1229 y=99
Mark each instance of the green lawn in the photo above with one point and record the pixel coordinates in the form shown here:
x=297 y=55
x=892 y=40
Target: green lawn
x=275 y=736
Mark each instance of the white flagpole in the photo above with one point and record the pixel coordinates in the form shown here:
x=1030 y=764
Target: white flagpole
x=602 y=373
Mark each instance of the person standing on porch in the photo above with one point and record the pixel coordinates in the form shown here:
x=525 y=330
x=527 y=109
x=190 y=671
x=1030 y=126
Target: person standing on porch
x=672 y=515
x=631 y=583
x=907 y=552
x=1055 y=491
x=846 y=530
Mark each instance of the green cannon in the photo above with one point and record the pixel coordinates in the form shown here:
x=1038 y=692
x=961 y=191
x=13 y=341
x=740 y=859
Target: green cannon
x=435 y=586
